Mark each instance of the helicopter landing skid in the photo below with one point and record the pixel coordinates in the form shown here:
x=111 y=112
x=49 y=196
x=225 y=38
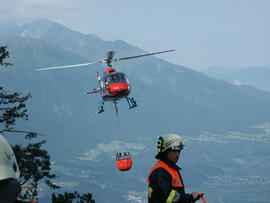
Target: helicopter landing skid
x=131 y=102
x=100 y=111
x=101 y=108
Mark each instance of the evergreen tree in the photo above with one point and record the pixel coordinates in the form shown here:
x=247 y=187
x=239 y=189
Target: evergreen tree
x=70 y=197
x=34 y=161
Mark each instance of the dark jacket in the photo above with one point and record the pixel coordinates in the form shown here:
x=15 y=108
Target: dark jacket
x=161 y=187
x=9 y=190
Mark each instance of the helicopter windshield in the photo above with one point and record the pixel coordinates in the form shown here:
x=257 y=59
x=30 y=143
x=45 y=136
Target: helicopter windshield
x=117 y=77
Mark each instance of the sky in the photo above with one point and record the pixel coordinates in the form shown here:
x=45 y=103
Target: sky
x=205 y=33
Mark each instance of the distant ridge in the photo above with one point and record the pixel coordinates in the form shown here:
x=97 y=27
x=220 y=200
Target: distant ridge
x=209 y=113
x=255 y=76
x=188 y=96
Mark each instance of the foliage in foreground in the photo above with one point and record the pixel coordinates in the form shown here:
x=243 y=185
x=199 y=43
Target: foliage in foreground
x=33 y=160
x=72 y=197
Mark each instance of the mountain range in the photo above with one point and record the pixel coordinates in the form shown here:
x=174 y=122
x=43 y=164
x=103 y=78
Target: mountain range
x=171 y=99
x=255 y=76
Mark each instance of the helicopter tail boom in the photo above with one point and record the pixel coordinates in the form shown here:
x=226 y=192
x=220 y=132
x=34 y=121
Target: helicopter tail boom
x=94 y=91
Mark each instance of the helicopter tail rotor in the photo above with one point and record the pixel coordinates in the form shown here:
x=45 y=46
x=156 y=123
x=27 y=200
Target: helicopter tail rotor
x=109 y=58
x=110 y=55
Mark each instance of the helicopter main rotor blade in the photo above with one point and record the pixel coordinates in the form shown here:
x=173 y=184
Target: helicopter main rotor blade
x=131 y=57
x=68 y=66
x=104 y=61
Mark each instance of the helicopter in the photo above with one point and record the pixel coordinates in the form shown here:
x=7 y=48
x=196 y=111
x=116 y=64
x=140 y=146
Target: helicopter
x=113 y=85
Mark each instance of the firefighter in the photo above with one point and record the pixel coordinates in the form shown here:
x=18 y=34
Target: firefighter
x=165 y=184
x=9 y=173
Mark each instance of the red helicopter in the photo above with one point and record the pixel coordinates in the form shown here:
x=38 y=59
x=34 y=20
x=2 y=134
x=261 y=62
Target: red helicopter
x=113 y=85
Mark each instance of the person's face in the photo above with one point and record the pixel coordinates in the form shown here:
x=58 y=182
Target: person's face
x=173 y=155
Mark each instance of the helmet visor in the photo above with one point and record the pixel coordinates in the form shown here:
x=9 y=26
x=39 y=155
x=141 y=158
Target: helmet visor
x=177 y=148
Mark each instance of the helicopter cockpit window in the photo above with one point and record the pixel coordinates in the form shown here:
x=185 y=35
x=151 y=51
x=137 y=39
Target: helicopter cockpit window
x=108 y=79
x=116 y=78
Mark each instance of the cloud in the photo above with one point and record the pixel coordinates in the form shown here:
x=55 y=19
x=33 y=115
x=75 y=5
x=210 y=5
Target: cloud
x=205 y=33
x=25 y=10
x=237 y=82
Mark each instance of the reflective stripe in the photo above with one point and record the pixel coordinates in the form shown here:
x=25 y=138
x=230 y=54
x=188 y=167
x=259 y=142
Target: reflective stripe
x=176 y=181
x=150 y=190
x=171 y=196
